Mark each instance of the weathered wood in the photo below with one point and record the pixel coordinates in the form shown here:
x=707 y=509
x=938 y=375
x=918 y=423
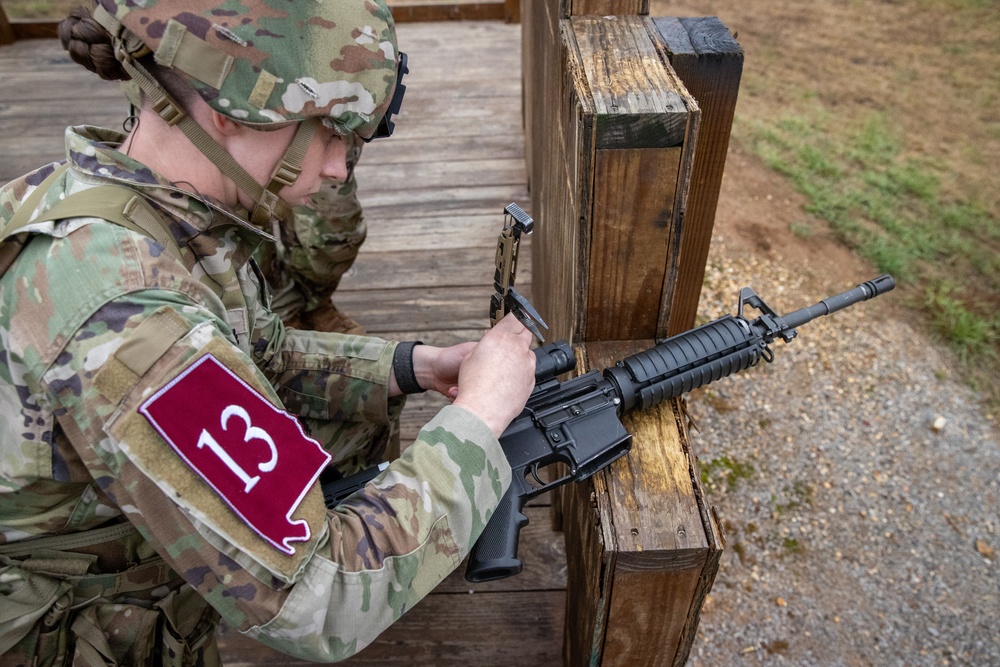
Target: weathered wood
x=403 y=11
x=6 y=30
x=619 y=132
x=540 y=51
x=605 y=8
x=710 y=63
x=483 y=629
x=648 y=546
x=408 y=11
x=512 y=11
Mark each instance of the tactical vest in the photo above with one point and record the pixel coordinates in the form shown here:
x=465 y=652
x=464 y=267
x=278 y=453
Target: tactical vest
x=57 y=604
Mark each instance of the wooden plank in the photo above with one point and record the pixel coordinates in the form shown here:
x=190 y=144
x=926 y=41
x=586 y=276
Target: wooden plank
x=512 y=11
x=423 y=309
x=408 y=11
x=649 y=548
x=613 y=180
x=483 y=629
x=420 y=268
x=606 y=8
x=637 y=103
x=710 y=63
x=628 y=249
x=540 y=57
x=409 y=150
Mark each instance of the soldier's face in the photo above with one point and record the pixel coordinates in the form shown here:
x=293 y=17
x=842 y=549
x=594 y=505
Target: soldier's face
x=326 y=159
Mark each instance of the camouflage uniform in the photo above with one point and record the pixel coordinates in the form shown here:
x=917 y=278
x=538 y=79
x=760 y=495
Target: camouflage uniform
x=114 y=529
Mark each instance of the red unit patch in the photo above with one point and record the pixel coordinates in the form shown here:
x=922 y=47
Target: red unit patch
x=253 y=454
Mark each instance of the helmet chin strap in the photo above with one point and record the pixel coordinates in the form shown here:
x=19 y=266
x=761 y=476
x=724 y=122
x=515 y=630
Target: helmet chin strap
x=269 y=205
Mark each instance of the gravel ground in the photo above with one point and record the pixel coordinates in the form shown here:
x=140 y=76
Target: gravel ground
x=858 y=485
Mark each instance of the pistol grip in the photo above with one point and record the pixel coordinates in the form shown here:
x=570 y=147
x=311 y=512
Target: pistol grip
x=494 y=555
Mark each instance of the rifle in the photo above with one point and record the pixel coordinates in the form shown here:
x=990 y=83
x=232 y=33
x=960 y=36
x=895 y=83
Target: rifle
x=577 y=422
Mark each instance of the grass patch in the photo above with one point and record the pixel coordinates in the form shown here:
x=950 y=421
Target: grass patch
x=888 y=206
x=799 y=494
x=725 y=472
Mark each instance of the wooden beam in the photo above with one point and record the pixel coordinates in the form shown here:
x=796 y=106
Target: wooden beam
x=408 y=11
x=710 y=63
x=617 y=131
x=645 y=544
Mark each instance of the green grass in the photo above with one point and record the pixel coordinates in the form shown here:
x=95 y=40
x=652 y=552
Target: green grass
x=724 y=471
x=889 y=207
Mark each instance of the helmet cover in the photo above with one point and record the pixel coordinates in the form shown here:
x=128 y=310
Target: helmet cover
x=268 y=62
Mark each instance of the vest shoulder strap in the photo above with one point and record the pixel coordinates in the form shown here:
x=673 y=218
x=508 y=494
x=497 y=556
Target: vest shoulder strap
x=114 y=203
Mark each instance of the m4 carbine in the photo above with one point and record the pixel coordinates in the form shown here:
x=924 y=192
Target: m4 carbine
x=578 y=421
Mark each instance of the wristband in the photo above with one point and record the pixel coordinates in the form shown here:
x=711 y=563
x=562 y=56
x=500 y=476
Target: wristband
x=402 y=366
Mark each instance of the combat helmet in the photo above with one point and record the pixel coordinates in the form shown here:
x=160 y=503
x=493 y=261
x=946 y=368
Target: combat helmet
x=265 y=63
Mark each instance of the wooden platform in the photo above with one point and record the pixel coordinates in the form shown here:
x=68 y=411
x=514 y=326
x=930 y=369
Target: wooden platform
x=433 y=198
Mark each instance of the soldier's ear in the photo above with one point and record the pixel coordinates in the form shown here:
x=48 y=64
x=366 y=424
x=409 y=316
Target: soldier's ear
x=224 y=125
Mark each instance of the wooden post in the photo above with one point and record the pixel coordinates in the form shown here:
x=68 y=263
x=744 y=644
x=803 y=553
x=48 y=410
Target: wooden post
x=617 y=136
x=710 y=63
x=611 y=132
x=540 y=58
x=646 y=545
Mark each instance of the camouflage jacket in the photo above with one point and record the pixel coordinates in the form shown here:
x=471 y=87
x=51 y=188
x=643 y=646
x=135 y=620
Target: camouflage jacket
x=157 y=388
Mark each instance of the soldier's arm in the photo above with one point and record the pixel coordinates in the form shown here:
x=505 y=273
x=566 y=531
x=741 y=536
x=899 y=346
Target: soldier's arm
x=315 y=583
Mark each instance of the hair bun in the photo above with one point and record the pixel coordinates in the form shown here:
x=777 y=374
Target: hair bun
x=89 y=44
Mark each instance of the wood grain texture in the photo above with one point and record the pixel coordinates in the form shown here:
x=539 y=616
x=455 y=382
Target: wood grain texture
x=619 y=138
x=710 y=63
x=647 y=547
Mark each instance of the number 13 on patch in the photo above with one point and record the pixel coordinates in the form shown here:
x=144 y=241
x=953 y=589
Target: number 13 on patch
x=254 y=455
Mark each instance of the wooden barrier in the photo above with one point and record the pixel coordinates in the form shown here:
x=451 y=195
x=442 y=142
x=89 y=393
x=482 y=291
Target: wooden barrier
x=6 y=30
x=624 y=195
x=642 y=543
x=708 y=60
x=617 y=136
x=709 y=63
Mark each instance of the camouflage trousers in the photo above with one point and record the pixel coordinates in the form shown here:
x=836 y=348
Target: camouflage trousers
x=305 y=266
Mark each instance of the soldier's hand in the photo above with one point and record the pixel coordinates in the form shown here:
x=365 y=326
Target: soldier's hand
x=437 y=368
x=497 y=375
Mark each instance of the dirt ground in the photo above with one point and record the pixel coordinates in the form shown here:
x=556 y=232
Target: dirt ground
x=857 y=477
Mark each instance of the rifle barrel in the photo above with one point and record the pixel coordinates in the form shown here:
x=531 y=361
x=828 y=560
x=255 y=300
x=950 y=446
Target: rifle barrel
x=866 y=290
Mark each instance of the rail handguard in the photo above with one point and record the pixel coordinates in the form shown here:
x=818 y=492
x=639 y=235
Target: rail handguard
x=578 y=422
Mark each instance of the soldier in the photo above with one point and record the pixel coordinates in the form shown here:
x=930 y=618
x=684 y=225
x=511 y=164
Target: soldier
x=307 y=259
x=152 y=475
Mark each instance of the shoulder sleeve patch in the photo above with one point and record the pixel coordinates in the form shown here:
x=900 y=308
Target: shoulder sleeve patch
x=254 y=455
